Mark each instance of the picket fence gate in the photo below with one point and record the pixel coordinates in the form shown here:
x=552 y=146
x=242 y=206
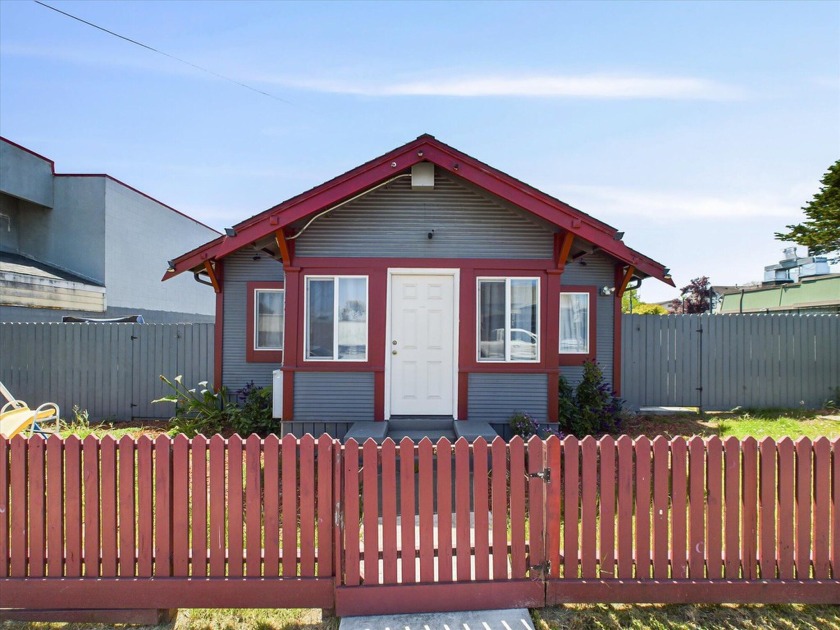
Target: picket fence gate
x=106 y=524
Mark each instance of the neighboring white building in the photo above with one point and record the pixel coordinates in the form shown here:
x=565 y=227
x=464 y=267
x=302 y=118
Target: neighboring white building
x=90 y=246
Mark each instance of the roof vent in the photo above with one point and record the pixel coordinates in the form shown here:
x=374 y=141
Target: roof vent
x=423 y=176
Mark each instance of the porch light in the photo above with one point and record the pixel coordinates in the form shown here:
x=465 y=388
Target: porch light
x=607 y=290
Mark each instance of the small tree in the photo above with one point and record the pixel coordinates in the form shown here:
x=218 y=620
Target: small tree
x=631 y=302
x=592 y=408
x=820 y=232
x=695 y=297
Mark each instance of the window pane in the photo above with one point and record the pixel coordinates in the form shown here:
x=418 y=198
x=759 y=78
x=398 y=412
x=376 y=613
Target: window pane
x=352 y=318
x=491 y=316
x=574 y=323
x=319 y=340
x=524 y=311
x=270 y=320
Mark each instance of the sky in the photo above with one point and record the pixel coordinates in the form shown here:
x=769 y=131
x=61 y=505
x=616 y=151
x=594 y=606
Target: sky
x=699 y=129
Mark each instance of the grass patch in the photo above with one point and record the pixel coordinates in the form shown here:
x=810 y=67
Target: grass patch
x=686 y=617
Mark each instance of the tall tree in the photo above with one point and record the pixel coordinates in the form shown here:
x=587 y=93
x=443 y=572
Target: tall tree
x=820 y=232
x=695 y=297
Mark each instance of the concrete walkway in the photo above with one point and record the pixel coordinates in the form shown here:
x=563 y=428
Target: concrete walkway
x=511 y=619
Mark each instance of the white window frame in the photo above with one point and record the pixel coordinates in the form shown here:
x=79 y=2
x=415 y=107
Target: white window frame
x=256 y=299
x=507 y=280
x=588 y=323
x=335 y=279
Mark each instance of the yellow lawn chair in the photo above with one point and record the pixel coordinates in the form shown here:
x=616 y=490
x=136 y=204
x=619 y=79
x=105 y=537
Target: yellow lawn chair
x=16 y=416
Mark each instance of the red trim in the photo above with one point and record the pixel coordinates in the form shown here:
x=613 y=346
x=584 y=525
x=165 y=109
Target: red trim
x=219 y=327
x=291 y=338
x=579 y=359
x=425 y=148
x=252 y=355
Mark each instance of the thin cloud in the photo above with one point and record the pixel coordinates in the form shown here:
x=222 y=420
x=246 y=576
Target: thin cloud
x=544 y=86
x=671 y=207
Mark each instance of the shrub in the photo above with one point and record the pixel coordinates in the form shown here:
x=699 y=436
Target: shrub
x=254 y=413
x=524 y=425
x=207 y=412
x=593 y=409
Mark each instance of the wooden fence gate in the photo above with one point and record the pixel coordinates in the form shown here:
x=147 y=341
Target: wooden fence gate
x=109 y=525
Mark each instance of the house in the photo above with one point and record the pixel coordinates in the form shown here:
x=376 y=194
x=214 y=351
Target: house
x=421 y=284
x=78 y=245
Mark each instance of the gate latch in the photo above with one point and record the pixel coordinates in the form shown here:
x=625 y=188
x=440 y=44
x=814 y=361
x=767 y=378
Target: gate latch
x=543 y=568
x=544 y=474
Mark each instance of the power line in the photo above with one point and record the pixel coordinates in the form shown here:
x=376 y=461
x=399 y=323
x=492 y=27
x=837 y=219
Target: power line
x=160 y=52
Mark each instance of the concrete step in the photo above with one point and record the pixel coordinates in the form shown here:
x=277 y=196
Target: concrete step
x=405 y=423
x=418 y=434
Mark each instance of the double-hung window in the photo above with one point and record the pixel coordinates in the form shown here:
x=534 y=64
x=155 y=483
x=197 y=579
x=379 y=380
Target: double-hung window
x=336 y=318
x=574 y=323
x=265 y=322
x=508 y=319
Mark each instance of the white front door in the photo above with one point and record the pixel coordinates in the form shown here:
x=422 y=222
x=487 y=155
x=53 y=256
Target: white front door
x=421 y=348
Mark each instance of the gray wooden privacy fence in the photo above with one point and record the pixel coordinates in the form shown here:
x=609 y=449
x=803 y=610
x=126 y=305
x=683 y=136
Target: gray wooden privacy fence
x=718 y=362
x=112 y=370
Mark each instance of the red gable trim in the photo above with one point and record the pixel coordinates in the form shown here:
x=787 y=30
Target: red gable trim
x=424 y=148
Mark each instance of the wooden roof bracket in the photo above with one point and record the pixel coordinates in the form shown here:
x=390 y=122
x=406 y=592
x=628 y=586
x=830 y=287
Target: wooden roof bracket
x=628 y=276
x=562 y=248
x=210 y=270
x=283 y=247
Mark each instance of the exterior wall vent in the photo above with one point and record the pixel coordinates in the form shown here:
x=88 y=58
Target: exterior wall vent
x=423 y=176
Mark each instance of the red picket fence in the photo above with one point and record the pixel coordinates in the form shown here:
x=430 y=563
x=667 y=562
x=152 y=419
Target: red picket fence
x=106 y=524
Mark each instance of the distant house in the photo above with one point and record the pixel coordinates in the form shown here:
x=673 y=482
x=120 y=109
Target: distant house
x=422 y=284
x=795 y=284
x=89 y=246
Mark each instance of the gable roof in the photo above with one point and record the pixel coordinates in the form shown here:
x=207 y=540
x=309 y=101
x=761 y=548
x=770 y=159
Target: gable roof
x=425 y=148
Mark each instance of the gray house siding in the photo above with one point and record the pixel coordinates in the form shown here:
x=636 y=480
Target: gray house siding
x=495 y=397
x=333 y=396
x=599 y=271
x=239 y=269
x=395 y=221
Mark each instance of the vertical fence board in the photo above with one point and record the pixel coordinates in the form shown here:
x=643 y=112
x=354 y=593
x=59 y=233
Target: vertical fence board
x=767 y=509
x=835 y=509
x=661 y=508
x=714 y=508
x=235 y=520
x=181 y=506
x=108 y=468
x=253 y=507
x=163 y=507
x=198 y=507
x=407 y=503
x=481 y=497
x=697 y=506
x=37 y=512
x=517 y=508
x=749 y=507
x=679 y=494
x=90 y=448
x=642 y=508
x=389 y=512
x=588 y=524
x=217 y=535
x=426 y=504
x=289 y=480
x=326 y=518
x=351 y=513
x=463 y=530
x=444 y=509
x=803 y=508
x=370 y=508
x=822 y=508
x=500 y=502
x=55 y=507
x=553 y=449
x=307 y=506
x=606 y=451
x=624 y=528
x=732 y=512
x=73 y=506
x=787 y=472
